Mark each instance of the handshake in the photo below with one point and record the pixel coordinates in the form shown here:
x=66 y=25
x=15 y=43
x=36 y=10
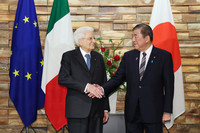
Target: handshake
x=94 y=90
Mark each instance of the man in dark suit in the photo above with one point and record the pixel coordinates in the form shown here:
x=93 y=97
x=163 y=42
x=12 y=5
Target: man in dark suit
x=80 y=68
x=148 y=72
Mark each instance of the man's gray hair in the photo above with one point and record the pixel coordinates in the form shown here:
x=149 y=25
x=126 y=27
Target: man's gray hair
x=80 y=33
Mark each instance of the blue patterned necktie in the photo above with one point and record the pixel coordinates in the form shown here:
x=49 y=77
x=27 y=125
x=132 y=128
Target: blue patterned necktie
x=88 y=60
x=142 y=66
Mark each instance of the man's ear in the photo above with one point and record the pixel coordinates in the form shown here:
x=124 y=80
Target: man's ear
x=80 y=42
x=147 y=39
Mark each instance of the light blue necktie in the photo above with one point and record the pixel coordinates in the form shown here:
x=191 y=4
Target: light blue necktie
x=88 y=60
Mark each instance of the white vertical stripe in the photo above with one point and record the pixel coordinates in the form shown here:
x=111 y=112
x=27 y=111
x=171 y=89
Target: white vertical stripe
x=59 y=40
x=161 y=13
x=178 y=102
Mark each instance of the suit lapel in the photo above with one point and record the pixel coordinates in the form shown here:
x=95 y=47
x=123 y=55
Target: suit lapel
x=150 y=62
x=137 y=58
x=80 y=59
x=93 y=61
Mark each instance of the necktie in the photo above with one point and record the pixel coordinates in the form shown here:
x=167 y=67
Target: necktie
x=88 y=60
x=142 y=65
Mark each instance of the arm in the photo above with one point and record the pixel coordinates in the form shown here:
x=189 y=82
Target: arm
x=117 y=79
x=169 y=88
x=65 y=78
x=106 y=101
x=168 y=84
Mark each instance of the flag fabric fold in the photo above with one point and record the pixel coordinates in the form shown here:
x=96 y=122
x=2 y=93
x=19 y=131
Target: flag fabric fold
x=165 y=37
x=59 y=39
x=26 y=63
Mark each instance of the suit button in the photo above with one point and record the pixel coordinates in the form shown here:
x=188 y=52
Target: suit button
x=140 y=86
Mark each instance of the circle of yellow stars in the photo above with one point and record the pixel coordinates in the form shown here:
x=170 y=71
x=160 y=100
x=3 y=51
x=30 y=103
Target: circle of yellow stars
x=28 y=75
x=26 y=20
x=16 y=73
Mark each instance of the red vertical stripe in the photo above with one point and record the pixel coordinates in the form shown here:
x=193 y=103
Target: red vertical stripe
x=55 y=103
x=164 y=37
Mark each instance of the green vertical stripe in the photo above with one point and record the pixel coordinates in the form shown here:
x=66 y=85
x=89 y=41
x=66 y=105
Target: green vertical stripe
x=60 y=9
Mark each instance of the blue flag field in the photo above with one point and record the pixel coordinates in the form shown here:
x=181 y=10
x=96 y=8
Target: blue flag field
x=26 y=63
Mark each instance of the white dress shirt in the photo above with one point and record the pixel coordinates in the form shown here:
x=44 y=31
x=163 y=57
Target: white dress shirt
x=83 y=54
x=148 y=53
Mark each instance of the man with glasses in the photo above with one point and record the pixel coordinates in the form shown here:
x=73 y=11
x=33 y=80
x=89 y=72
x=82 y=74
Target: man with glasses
x=80 y=68
x=149 y=74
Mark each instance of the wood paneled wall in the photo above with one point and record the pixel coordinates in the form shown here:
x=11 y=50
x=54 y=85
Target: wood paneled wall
x=111 y=19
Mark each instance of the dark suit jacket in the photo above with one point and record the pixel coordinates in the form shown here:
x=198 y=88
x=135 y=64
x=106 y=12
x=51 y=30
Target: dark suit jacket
x=74 y=75
x=154 y=93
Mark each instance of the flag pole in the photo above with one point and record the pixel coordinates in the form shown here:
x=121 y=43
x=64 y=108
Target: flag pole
x=166 y=128
x=22 y=129
x=63 y=128
x=27 y=129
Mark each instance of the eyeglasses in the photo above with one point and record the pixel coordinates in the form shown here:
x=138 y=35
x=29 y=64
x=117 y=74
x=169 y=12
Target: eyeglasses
x=90 y=38
x=135 y=36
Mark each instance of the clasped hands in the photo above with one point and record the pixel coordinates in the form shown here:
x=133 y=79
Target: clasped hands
x=94 y=90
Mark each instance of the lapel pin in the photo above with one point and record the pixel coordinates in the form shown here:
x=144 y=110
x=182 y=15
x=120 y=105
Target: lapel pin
x=136 y=58
x=152 y=60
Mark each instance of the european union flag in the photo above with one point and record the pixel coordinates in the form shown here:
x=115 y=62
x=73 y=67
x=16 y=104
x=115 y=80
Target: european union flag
x=26 y=63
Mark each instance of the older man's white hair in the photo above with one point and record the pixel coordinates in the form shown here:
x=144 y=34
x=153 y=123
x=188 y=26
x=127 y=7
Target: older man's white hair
x=80 y=33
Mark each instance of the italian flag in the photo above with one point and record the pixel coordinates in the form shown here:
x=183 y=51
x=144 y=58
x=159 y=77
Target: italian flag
x=59 y=39
x=164 y=37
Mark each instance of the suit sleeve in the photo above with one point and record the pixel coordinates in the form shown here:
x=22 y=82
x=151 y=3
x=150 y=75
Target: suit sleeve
x=106 y=100
x=117 y=79
x=169 y=84
x=65 y=78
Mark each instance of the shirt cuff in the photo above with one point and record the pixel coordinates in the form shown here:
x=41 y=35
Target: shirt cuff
x=103 y=91
x=86 y=87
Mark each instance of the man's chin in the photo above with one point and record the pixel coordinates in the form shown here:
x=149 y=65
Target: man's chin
x=92 y=48
x=135 y=47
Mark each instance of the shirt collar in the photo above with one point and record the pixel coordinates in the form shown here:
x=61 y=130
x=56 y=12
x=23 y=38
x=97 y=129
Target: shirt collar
x=148 y=51
x=83 y=52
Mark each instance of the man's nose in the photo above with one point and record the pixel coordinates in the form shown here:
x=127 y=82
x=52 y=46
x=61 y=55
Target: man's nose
x=93 y=40
x=133 y=39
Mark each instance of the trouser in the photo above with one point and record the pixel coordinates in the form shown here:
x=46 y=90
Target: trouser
x=138 y=126
x=91 y=124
